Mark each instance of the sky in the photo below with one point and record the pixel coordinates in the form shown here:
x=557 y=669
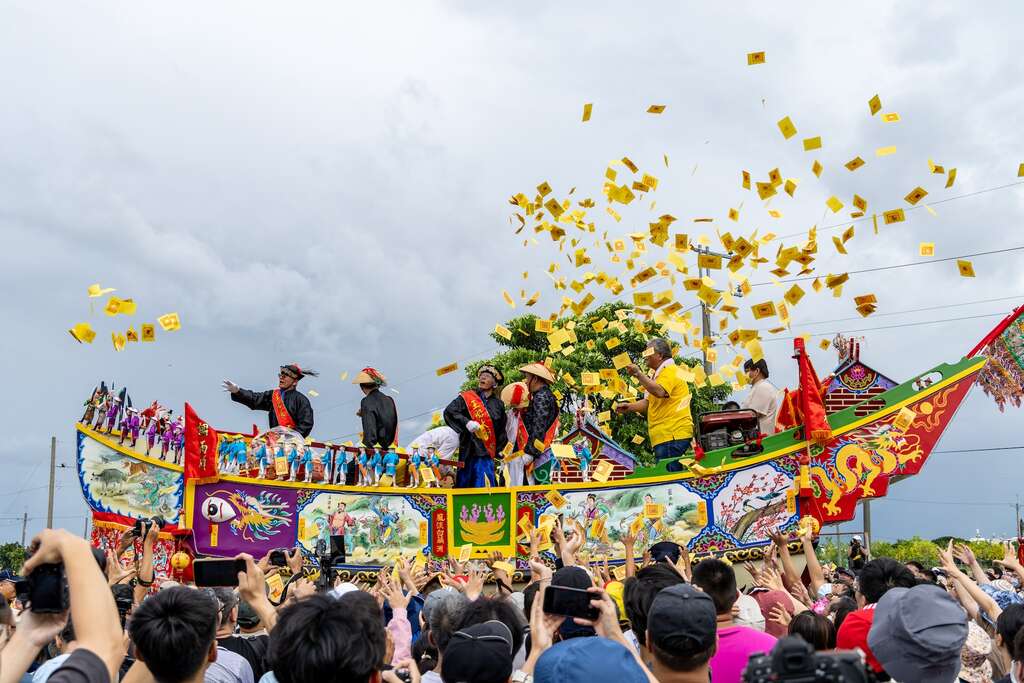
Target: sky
x=327 y=183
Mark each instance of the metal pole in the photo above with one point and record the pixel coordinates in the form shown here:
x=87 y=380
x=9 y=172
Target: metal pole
x=85 y=532
x=867 y=529
x=24 y=527
x=53 y=471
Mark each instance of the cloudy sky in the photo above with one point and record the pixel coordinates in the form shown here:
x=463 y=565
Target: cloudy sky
x=327 y=183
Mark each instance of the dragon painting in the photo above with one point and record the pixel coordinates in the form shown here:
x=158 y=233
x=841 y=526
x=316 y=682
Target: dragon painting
x=258 y=516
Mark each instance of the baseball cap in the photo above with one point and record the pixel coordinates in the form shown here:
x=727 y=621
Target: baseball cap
x=8 y=575
x=585 y=660
x=682 y=611
x=917 y=634
x=665 y=550
x=247 y=617
x=481 y=653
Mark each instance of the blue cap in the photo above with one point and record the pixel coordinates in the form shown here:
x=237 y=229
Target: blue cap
x=585 y=660
x=8 y=575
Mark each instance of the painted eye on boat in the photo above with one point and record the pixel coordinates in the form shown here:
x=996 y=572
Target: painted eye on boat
x=217 y=510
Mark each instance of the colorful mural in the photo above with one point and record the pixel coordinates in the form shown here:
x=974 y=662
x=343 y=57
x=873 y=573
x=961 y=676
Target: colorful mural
x=120 y=484
x=377 y=529
x=755 y=503
x=230 y=518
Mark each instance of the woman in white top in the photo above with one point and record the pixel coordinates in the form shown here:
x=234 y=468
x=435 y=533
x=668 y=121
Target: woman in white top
x=763 y=398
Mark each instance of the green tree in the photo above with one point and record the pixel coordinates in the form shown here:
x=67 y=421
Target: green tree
x=527 y=345
x=12 y=556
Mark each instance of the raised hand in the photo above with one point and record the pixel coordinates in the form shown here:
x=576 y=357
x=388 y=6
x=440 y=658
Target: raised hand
x=230 y=386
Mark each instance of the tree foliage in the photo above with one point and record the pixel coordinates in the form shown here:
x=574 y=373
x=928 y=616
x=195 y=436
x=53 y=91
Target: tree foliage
x=12 y=556
x=528 y=345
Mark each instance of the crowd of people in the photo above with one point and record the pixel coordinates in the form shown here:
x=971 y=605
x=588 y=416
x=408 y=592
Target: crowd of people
x=668 y=620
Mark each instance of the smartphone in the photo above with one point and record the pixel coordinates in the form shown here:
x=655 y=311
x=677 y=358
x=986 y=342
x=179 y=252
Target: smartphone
x=278 y=558
x=214 y=571
x=570 y=602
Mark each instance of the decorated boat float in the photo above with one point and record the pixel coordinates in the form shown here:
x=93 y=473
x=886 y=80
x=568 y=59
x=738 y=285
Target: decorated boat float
x=726 y=501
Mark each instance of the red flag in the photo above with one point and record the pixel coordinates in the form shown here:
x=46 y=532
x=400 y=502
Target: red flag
x=200 y=449
x=812 y=406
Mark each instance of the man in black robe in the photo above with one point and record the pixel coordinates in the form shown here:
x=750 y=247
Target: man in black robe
x=478 y=463
x=540 y=416
x=377 y=410
x=295 y=404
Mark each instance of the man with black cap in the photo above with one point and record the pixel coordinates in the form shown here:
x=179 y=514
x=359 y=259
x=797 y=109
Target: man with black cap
x=481 y=653
x=681 y=635
x=286 y=406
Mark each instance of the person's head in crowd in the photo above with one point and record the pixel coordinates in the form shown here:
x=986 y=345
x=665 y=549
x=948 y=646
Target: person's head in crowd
x=1008 y=624
x=485 y=609
x=730 y=405
x=665 y=551
x=640 y=591
x=717 y=579
x=747 y=612
x=975 y=666
x=442 y=613
x=768 y=600
x=529 y=595
x=321 y=639
x=479 y=653
x=588 y=660
x=916 y=568
x=573 y=577
x=880 y=575
x=228 y=600
x=174 y=634
x=248 y=620
x=917 y=634
x=682 y=632
x=7 y=581
x=844 y=576
x=816 y=630
x=1017 y=656
x=838 y=609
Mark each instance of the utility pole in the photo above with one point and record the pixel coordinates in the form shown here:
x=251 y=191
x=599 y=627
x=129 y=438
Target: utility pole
x=705 y=314
x=53 y=471
x=1016 y=519
x=85 y=532
x=24 y=527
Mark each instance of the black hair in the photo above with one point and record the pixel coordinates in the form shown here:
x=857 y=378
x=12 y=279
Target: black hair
x=916 y=565
x=639 y=592
x=682 y=653
x=487 y=608
x=730 y=405
x=173 y=631
x=816 y=630
x=718 y=580
x=228 y=600
x=317 y=641
x=881 y=574
x=529 y=594
x=760 y=366
x=1017 y=651
x=1009 y=623
x=67 y=634
x=840 y=609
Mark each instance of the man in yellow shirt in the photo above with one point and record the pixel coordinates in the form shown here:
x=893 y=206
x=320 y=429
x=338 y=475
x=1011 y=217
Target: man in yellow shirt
x=666 y=402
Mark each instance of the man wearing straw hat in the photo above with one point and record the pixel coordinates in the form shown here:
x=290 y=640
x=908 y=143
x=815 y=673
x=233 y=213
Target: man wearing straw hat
x=286 y=406
x=377 y=410
x=541 y=417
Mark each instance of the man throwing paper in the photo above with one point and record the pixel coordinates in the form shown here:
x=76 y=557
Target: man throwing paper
x=666 y=402
x=286 y=407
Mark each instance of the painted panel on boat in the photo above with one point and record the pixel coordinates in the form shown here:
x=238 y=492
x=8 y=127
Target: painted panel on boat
x=232 y=518
x=117 y=483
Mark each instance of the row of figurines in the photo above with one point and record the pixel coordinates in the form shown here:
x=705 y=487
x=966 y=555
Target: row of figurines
x=104 y=412
x=257 y=460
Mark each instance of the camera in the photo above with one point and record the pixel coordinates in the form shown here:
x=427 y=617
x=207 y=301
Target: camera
x=278 y=558
x=45 y=590
x=328 y=555
x=142 y=525
x=794 y=661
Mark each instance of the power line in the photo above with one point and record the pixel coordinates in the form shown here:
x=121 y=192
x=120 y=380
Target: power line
x=948 y=502
x=890 y=327
x=983 y=450
x=893 y=267
x=917 y=310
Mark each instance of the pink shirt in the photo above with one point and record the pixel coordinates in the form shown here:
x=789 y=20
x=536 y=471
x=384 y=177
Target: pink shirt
x=735 y=645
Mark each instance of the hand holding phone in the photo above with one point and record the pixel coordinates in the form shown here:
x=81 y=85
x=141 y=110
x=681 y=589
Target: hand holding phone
x=217 y=572
x=570 y=602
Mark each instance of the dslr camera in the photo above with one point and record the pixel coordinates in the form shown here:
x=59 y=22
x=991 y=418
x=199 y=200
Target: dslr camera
x=45 y=590
x=792 y=660
x=141 y=527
